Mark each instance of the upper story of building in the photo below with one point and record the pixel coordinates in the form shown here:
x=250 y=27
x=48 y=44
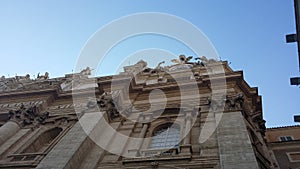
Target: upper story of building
x=190 y=100
x=282 y=134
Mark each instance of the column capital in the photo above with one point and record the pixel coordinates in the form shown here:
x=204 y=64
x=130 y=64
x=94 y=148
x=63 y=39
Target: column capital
x=28 y=116
x=145 y=118
x=192 y=113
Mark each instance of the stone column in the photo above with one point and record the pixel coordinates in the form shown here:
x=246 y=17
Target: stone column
x=146 y=120
x=76 y=144
x=143 y=134
x=139 y=141
x=234 y=143
x=136 y=151
x=185 y=148
x=188 y=122
x=7 y=130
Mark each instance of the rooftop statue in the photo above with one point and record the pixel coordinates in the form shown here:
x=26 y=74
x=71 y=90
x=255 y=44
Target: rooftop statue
x=205 y=61
x=182 y=59
x=86 y=71
x=43 y=77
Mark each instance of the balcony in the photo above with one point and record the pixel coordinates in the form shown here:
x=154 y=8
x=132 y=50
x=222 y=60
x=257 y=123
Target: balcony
x=158 y=155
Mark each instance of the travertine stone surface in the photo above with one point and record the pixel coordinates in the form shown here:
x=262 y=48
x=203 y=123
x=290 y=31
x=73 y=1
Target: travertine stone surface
x=8 y=130
x=11 y=141
x=68 y=152
x=235 y=147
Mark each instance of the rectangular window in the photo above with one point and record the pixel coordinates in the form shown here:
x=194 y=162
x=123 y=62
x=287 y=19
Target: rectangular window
x=294 y=156
x=286 y=138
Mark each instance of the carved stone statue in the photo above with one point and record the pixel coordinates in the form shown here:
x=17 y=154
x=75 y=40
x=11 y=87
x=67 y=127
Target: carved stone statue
x=158 y=68
x=91 y=103
x=217 y=104
x=234 y=102
x=86 y=71
x=182 y=59
x=27 y=116
x=227 y=103
x=107 y=104
x=43 y=77
x=205 y=61
x=23 y=78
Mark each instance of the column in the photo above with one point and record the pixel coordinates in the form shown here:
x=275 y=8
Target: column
x=234 y=144
x=188 y=122
x=143 y=134
x=185 y=148
x=7 y=130
x=136 y=151
x=75 y=146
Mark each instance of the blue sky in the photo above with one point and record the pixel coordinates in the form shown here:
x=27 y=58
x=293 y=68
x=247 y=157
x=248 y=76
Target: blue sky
x=39 y=36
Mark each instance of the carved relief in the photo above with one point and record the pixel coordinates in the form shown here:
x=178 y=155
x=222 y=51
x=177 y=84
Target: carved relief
x=258 y=119
x=16 y=106
x=217 y=104
x=234 y=102
x=28 y=116
x=106 y=103
x=227 y=103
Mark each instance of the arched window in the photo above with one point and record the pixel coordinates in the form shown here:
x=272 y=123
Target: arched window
x=166 y=136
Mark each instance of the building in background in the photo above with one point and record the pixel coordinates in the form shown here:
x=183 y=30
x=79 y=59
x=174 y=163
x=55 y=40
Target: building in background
x=284 y=145
x=45 y=121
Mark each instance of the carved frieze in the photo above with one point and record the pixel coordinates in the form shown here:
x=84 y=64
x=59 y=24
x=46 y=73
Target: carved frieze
x=16 y=106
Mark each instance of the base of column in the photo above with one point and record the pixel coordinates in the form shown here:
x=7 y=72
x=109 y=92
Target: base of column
x=185 y=149
x=134 y=153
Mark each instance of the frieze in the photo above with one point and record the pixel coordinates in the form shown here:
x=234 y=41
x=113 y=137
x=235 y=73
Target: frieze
x=15 y=106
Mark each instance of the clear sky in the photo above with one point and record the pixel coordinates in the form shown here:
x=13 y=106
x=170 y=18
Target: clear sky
x=39 y=36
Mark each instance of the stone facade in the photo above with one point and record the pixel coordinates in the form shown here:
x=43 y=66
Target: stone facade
x=198 y=114
x=284 y=145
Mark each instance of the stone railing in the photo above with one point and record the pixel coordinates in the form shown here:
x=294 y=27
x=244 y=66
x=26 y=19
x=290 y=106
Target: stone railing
x=26 y=157
x=159 y=152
